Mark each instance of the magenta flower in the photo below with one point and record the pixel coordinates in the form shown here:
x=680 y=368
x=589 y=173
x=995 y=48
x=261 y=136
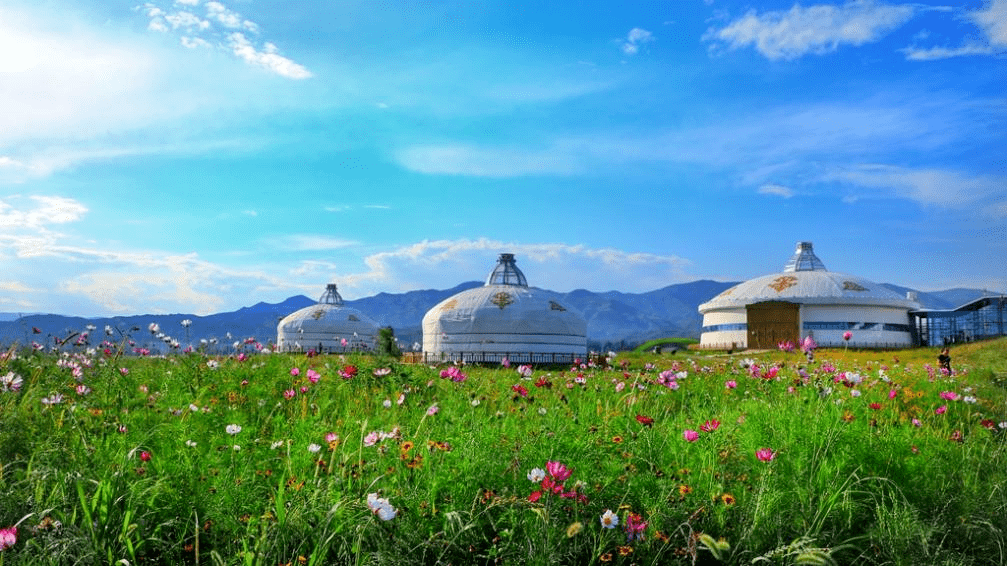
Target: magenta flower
x=348 y=372
x=635 y=525
x=690 y=435
x=892 y=394
x=847 y=335
x=8 y=537
x=295 y=372
x=557 y=470
x=940 y=410
x=144 y=456
x=710 y=425
x=525 y=370
x=289 y=394
x=454 y=373
x=765 y=454
x=520 y=390
x=433 y=410
x=730 y=384
x=313 y=376
x=949 y=395
x=505 y=363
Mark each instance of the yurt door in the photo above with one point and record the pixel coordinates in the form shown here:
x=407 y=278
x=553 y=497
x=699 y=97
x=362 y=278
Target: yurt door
x=772 y=322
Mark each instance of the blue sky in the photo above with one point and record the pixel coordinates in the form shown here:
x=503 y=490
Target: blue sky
x=193 y=156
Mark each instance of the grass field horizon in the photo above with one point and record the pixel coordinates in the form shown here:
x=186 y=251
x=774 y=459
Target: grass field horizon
x=856 y=457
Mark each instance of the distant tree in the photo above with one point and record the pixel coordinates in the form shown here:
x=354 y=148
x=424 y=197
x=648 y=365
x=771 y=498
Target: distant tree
x=387 y=344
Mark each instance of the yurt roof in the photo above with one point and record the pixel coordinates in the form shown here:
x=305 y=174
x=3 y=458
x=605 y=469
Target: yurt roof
x=329 y=315
x=805 y=280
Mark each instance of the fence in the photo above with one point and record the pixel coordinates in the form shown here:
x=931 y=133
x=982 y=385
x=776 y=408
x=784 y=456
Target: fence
x=492 y=357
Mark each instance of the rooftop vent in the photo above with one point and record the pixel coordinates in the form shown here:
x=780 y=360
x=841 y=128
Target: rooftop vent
x=804 y=259
x=506 y=273
x=331 y=296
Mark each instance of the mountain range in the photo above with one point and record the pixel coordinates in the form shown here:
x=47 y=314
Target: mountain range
x=616 y=320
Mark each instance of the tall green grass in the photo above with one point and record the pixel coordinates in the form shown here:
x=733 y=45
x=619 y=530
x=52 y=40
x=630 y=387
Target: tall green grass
x=849 y=484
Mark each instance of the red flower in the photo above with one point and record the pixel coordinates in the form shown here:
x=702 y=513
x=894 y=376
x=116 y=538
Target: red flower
x=144 y=456
x=635 y=525
x=520 y=390
x=645 y=420
x=348 y=372
x=875 y=406
x=710 y=425
x=535 y=496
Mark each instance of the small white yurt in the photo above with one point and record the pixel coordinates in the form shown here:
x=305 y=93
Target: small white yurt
x=806 y=299
x=505 y=318
x=328 y=326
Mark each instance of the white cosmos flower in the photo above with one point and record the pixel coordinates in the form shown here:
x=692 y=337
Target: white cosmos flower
x=536 y=475
x=233 y=429
x=380 y=507
x=314 y=448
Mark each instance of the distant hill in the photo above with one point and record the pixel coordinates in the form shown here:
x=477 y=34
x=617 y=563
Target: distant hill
x=615 y=320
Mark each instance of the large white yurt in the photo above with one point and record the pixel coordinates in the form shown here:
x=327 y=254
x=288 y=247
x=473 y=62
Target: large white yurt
x=328 y=326
x=505 y=318
x=806 y=299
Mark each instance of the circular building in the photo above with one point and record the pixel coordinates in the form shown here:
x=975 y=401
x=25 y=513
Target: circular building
x=806 y=299
x=327 y=326
x=505 y=318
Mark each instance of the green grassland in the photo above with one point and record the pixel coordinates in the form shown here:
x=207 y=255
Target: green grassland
x=858 y=457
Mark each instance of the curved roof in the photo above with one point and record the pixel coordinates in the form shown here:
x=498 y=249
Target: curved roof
x=328 y=322
x=505 y=314
x=805 y=280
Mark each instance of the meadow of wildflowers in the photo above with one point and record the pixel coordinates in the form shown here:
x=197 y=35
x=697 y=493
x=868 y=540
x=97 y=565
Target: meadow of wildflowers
x=844 y=457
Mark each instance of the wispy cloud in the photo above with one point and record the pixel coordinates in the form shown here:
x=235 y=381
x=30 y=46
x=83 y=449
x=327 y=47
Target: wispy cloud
x=635 y=39
x=223 y=28
x=933 y=53
x=774 y=189
x=465 y=159
x=992 y=24
x=310 y=242
x=942 y=187
x=817 y=29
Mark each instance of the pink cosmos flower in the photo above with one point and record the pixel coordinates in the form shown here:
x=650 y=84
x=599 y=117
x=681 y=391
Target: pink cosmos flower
x=557 y=470
x=765 y=454
x=949 y=395
x=690 y=435
x=331 y=437
x=348 y=372
x=381 y=372
x=525 y=370
x=847 y=335
x=313 y=376
x=289 y=394
x=710 y=425
x=295 y=371
x=304 y=389
x=454 y=373
x=433 y=410
x=8 y=537
x=892 y=394
x=520 y=390
x=635 y=525
x=917 y=423
x=730 y=384
x=940 y=410
x=505 y=363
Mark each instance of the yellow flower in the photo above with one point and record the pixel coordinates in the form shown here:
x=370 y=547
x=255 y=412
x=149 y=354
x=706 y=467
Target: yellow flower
x=574 y=528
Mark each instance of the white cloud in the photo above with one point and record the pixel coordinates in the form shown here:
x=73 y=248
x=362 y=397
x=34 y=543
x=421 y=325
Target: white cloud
x=269 y=58
x=40 y=212
x=774 y=189
x=218 y=29
x=634 y=39
x=993 y=21
x=940 y=187
x=816 y=29
x=934 y=53
x=310 y=242
x=461 y=159
x=228 y=18
x=558 y=267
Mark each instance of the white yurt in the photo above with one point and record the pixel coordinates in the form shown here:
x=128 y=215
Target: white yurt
x=806 y=299
x=328 y=326
x=505 y=318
